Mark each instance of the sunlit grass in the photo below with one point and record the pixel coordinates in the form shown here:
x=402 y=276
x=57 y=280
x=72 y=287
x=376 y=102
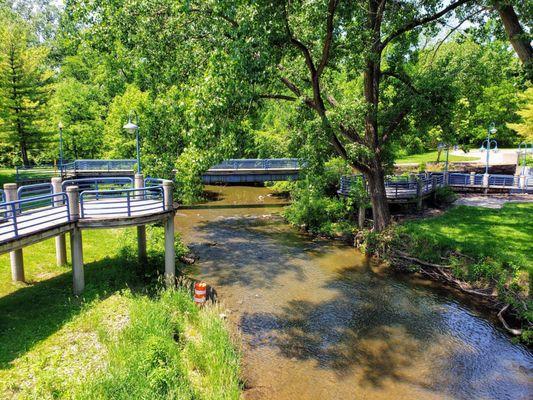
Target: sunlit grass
x=122 y=339
x=432 y=157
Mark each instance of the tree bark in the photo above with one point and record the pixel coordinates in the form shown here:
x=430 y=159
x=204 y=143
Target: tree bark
x=378 y=196
x=517 y=36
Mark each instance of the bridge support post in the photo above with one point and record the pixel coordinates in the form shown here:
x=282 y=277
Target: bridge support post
x=16 y=256
x=76 y=245
x=522 y=183
x=472 y=178
x=486 y=182
x=419 y=194
x=141 y=229
x=170 y=251
x=61 y=243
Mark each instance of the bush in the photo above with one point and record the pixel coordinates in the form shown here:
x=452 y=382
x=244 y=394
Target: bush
x=445 y=195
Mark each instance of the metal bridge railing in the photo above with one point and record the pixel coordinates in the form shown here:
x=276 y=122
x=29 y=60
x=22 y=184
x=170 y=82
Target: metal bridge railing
x=121 y=182
x=502 y=180
x=121 y=202
x=98 y=166
x=255 y=163
x=35 y=173
x=149 y=182
x=29 y=215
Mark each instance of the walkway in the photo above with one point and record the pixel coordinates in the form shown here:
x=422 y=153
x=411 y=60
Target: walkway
x=253 y=170
x=32 y=213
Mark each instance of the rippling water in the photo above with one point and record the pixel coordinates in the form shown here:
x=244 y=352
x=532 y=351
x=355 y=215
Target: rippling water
x=319 y=321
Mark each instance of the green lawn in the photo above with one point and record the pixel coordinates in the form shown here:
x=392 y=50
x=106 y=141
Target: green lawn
x=124 y=338
x=432 y=157
x=503 y=235
x=7 y=175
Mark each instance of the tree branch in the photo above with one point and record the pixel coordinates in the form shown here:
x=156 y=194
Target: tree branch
x=211 y=13
x=277 y=97
x=395 y=122
x=299 y=45
x=332 y=6
x=402 y=79
x=418 y=22
x=293 y=88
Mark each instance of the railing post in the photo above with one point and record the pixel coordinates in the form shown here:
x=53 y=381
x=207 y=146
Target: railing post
x=16 y=256
x=61 y=245
x=141 y=229
x=472 y=178
x=419 y=193
x=522 y=183
x=167 y=195
x=76 y=246
x=486 y=182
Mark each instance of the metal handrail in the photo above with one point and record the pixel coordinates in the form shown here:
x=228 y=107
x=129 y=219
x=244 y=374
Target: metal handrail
x=96 y=183
x=18 y=217
x=109 y=203
x=258 y=163
x=99 y=165
x=502 y=180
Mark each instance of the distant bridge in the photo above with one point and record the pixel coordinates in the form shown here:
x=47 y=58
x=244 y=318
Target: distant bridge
x=253 y=170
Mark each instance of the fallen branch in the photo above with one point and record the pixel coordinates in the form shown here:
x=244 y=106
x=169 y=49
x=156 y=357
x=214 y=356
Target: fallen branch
x=516 y=332
x=403 y=255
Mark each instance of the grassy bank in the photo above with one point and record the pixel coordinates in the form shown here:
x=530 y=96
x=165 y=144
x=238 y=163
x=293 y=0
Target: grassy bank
x=432 y=157
x=124 y=338
x=488 y=250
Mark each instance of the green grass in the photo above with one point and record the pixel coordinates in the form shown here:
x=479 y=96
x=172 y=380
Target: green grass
x=7 y=175
x=432 y=157
x=124 y=338
x=504 y=235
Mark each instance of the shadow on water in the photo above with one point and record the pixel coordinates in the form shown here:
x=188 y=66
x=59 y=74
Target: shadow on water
x=33 y=313
x=369 y=325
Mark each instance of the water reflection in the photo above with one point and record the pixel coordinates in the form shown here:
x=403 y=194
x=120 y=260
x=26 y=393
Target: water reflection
x=319 y=321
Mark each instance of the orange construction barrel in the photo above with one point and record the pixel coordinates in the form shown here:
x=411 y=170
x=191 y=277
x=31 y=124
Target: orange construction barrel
x=200 y=292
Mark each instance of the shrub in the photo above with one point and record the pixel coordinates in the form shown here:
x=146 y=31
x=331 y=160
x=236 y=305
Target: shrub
x=445 y=195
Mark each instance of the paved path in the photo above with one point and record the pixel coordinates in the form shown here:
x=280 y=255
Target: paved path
x=495 y=202
x=501 y=157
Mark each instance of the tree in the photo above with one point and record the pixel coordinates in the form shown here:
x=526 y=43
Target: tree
x=525 y=127
x=315 y=48
x=24 y=87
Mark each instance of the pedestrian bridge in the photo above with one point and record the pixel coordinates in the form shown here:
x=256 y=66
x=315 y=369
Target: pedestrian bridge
x=253 y=171
x=32 y=213
x=415 y=187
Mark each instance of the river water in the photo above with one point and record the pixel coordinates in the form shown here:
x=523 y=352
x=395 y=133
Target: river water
x=317 y=320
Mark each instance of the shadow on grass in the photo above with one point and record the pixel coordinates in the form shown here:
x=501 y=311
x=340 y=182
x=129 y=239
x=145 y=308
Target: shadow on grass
x=31 y=314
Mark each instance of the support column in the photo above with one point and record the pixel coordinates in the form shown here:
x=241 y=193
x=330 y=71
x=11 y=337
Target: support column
x=61 y=245
x=419 y=193
x=16 y=256
x=76 y=247
x=361 y=217
x=486 y=182
x=141 y=229
x=170 y=251
x=472 y=178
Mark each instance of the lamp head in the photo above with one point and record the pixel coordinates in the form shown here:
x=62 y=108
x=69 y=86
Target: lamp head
x=60 y=125
x=130 y=127
x=492 y=129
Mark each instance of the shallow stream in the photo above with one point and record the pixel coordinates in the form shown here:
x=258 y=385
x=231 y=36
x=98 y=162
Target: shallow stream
x=319 y=321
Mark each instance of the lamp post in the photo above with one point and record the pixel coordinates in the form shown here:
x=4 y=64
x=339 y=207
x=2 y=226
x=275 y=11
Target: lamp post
x=487 y=145
x=60 y=127
x=134 y=128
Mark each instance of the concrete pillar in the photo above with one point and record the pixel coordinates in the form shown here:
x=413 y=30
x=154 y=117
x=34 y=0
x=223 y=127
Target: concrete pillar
x=472 y=178
x=446 y=178
x=16 y=257
x=516 y=180
x=485 y=180
x=141 y=230
x=76 y=246
x=61 y=245
x=167 y=195
x=419 y=193
x=170 y=252
x=523 y=181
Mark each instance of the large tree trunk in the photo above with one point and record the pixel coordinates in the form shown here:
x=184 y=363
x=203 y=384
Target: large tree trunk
x=517 y=36
x=378 y=197
x=24 y=153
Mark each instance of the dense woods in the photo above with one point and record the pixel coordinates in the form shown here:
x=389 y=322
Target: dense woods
x=213 y=79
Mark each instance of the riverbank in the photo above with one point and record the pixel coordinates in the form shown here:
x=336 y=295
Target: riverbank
x=485 y=253
x=125 y=337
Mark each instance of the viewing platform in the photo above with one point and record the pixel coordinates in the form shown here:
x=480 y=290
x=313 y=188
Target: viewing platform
x=416 y=187
x=32 y=213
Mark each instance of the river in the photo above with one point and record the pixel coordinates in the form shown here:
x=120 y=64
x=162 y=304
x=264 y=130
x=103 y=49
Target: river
x=317 y=320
